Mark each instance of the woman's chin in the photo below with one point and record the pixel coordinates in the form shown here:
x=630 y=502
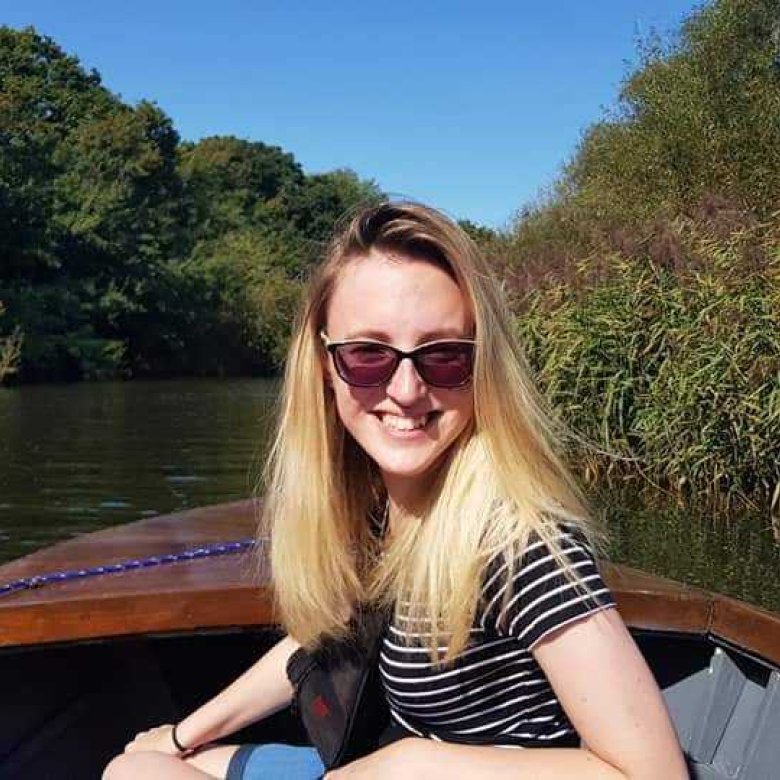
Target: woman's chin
x=408 y=468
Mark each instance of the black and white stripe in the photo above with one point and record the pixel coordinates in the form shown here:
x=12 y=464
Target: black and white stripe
x=495 y=692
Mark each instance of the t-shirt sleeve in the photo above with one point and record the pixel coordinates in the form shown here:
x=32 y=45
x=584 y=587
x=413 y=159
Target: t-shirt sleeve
x=542 y=596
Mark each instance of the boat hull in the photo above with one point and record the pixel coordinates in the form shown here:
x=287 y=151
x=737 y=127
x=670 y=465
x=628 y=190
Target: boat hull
x=88 y=662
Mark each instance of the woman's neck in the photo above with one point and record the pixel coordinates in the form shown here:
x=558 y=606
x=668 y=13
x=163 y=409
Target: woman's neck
x=406 y=500
x=397 y=517
x=403 y=507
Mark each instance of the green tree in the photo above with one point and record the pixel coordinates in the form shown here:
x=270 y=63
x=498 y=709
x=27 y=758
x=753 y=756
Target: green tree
x=227 y=180
x=699 y=117
x=123 y=251
x=254 y=300
x=316 y=205
x=479 y=233
x=118 y=194
x=44 y=95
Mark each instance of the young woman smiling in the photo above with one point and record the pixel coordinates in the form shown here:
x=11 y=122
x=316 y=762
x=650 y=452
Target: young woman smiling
x=415 y=468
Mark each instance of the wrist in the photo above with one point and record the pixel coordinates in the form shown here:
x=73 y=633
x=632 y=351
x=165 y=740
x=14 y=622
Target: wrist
x=180 y=746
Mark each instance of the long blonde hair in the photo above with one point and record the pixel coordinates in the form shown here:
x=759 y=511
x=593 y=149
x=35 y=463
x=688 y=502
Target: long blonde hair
x=502 y=480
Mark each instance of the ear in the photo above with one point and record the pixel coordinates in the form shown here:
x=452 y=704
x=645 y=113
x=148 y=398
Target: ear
x=326 y=368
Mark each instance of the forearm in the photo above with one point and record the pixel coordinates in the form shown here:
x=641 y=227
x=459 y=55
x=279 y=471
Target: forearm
x=446 y=761
x=262 y=690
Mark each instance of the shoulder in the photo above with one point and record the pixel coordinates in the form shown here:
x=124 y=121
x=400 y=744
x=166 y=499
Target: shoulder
x=552 y=581
x=569 y=539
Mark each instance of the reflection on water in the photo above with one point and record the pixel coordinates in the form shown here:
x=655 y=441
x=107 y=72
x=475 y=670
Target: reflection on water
x=735 y=555
x=78 y=457
x=74 y=458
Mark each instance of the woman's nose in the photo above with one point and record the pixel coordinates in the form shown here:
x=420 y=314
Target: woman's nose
x=406 y=386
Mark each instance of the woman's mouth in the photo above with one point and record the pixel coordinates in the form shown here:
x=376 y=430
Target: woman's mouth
x=406 y=424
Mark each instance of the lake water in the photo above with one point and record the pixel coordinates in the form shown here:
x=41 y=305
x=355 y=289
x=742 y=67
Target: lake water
x=74 y=458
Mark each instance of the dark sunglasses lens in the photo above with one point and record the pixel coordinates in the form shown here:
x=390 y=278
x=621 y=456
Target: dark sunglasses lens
x=446 y=365
x=365 y=365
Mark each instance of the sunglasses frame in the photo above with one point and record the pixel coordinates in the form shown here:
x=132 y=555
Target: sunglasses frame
x=400 y=354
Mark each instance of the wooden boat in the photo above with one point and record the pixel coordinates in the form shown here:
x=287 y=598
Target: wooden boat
x=88 y=661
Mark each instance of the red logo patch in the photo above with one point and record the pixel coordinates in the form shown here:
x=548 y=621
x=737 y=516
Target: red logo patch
x=320 y=707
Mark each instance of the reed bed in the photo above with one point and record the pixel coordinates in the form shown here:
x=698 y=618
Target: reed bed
x=669 y=370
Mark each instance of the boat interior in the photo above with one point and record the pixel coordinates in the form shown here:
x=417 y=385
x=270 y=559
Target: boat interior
x=88 y=661
x=81 y=702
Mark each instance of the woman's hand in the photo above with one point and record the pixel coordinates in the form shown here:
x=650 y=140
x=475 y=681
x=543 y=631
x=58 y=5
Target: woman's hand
x=159 y=739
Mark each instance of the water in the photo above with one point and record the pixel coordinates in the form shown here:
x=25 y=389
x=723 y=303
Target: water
x=74 y=458
x=735 y=555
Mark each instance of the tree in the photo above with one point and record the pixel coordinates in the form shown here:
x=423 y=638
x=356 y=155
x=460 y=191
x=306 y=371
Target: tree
x=254 y=300
x=123 y=251
x=316 y=205
x=226 y=179
x=44 y=95
x=700 y=116
x=118 y=196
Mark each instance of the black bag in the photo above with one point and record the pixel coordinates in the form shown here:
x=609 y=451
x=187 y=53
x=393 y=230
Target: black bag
x=339 y=694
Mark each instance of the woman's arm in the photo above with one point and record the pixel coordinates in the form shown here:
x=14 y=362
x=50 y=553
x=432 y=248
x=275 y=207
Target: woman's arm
x=262 y=690
x=611 y=697
x=416 y=757
x=608 y=692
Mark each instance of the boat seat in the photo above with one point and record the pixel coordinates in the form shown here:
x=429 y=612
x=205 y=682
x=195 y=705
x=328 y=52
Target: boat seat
x=726 y=717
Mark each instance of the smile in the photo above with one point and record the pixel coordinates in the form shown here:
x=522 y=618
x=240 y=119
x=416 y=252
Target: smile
x=404 y=424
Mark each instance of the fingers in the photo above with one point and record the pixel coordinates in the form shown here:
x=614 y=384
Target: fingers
x=156 y=738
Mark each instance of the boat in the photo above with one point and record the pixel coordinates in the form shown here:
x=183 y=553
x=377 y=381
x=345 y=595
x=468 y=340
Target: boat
x=108 y=633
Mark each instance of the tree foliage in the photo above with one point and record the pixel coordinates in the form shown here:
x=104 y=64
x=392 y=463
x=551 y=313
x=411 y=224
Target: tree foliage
x=697 y=123
x=124 y=251
x=227 y=180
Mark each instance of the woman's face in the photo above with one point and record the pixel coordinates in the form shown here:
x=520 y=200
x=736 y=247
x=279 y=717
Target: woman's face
x=405 y=425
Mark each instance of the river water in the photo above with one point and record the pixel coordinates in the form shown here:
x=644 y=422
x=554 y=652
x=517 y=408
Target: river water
x=74 y=458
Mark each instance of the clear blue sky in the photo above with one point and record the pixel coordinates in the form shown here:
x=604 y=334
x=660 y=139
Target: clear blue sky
x=472 y=107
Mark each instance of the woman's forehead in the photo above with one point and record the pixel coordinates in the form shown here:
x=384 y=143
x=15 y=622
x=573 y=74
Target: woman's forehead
x=384 y=294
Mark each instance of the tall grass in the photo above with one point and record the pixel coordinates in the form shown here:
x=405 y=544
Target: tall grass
x=669 y=366
x=647 y=282
x=10 y=350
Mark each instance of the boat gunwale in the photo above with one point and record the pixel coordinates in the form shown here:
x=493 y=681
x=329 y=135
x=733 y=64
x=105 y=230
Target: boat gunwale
x=196 y=596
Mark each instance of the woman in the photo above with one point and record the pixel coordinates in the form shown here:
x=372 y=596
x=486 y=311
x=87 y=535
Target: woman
x=414 y=467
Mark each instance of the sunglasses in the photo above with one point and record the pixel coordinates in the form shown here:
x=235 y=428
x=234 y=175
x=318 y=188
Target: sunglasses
x=446 y=364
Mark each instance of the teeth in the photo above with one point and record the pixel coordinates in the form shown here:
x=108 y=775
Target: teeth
x=404 y=423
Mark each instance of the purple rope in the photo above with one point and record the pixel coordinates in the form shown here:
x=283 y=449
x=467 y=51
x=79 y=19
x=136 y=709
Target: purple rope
x=207 y=551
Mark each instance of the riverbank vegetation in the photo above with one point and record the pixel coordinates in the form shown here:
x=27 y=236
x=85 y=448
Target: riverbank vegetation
x=646 y=282
x=10 y=350
x=670 y=373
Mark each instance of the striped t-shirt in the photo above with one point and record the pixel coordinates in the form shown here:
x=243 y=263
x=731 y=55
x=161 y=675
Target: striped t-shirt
x=494 y=692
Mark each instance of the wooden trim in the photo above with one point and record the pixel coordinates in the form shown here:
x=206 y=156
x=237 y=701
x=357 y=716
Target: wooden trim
x=138 y=614
x=199 y=594
x=656 y=603
x=744 y=625
x=234 y=590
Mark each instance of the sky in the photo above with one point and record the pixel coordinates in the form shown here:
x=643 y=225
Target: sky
x=472 y=107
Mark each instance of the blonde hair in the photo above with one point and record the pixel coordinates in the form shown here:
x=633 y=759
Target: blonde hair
x=502 y=481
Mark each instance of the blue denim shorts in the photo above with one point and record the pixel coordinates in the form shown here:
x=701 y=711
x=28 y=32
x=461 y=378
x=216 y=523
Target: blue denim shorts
x=275 y=762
